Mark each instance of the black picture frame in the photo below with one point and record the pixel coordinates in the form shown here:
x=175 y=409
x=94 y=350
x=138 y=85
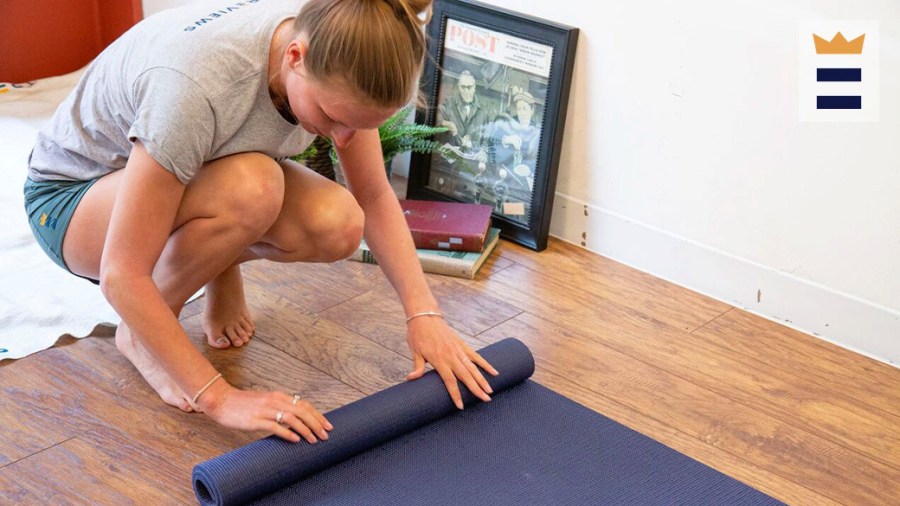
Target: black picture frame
x=500 y=153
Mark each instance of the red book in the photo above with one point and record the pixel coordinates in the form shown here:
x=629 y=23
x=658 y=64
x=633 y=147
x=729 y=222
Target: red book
x=450 y=226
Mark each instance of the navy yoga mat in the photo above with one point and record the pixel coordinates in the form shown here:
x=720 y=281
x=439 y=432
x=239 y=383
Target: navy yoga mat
x=408 y=445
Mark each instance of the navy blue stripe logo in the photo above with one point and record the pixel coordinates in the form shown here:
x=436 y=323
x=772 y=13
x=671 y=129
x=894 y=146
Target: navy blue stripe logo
x=839 y=75
x=838 y=102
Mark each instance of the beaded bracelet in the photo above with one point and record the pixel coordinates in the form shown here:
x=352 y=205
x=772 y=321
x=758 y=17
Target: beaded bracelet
x=425 y=313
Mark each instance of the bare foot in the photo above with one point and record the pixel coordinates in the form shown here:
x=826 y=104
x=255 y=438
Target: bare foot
x=226 y=319
x=150 y=370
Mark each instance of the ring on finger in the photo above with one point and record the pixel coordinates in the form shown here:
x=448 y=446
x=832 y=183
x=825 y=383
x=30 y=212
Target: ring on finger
x=279 y=418
x=296 y=398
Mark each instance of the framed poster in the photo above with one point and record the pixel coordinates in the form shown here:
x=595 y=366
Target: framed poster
x=499 y=82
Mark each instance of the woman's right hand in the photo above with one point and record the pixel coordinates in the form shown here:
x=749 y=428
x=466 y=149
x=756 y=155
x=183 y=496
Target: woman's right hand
x=251 y=410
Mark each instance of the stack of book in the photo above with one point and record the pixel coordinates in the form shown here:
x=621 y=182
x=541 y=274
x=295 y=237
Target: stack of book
x=451 y=238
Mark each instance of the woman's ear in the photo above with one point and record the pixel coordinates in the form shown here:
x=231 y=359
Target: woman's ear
x=296 y=53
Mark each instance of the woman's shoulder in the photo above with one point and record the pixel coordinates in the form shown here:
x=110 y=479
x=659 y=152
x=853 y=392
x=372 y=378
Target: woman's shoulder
x=214 y=47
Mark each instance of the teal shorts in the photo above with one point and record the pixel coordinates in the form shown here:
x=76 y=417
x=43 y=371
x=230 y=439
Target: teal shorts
x=50 y=206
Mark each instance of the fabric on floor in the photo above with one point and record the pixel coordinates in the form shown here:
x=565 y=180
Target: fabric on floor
x=39 y=301
x=408 y=445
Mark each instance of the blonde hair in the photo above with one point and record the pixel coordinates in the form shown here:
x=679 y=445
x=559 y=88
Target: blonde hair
x=374 y=46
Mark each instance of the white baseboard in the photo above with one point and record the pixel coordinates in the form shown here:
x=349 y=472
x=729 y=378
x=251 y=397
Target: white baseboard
x=839 y=318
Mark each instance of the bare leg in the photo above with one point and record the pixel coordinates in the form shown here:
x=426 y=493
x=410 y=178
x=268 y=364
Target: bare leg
x=215 y=231
x=319 y=222
x=210 y=234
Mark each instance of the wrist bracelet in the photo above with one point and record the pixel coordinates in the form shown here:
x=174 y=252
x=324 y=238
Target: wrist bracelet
x=200 y=392
x=425 y=313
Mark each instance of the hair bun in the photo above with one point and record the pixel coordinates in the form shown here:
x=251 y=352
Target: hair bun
x=418 y=9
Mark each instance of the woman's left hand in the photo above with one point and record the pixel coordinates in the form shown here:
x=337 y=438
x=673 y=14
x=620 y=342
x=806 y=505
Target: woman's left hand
x=431 y=340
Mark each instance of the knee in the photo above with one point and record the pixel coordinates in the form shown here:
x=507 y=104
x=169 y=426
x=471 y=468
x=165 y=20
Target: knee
x=336 y=228
x=253 y=198
x=326 y=228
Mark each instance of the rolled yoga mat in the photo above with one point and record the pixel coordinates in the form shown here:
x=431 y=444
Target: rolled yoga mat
x=409 y=445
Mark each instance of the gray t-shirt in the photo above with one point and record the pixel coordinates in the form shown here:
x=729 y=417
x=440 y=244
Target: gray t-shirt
x=190 y=83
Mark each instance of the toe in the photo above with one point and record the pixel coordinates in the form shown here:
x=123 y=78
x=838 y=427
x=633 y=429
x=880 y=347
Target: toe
x=248 y=329
x=233 y=335
x=219 y=341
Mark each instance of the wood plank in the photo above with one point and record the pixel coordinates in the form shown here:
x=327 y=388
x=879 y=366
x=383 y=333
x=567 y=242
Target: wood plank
x=312 y=286
x=325 y=345
x=629 y=287
x=740 y=378
x=37 y=386
x=378 y=314
x=808 y=460
x=47 y=478
x=24 y=434
x=86 y=389
x=24 y=431
x=875 y=383
x=494 y=263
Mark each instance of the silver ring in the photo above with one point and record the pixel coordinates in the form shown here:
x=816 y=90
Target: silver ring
x=279 y=417
x=296 y=398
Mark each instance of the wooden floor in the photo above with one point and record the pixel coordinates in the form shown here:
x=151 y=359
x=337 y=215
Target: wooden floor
x=795 y=417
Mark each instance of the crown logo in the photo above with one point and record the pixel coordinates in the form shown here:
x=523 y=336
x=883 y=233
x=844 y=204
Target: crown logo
x=839 y=45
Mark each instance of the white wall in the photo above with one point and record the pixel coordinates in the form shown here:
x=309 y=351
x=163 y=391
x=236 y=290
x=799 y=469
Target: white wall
x=684 y=156
x=684 y=142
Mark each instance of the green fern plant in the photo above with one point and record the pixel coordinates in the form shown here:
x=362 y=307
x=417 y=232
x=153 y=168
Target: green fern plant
x=397 y=136
x=308 y=154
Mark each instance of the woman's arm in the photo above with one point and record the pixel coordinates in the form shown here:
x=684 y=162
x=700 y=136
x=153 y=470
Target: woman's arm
x=142 y=219
x=387 y=234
